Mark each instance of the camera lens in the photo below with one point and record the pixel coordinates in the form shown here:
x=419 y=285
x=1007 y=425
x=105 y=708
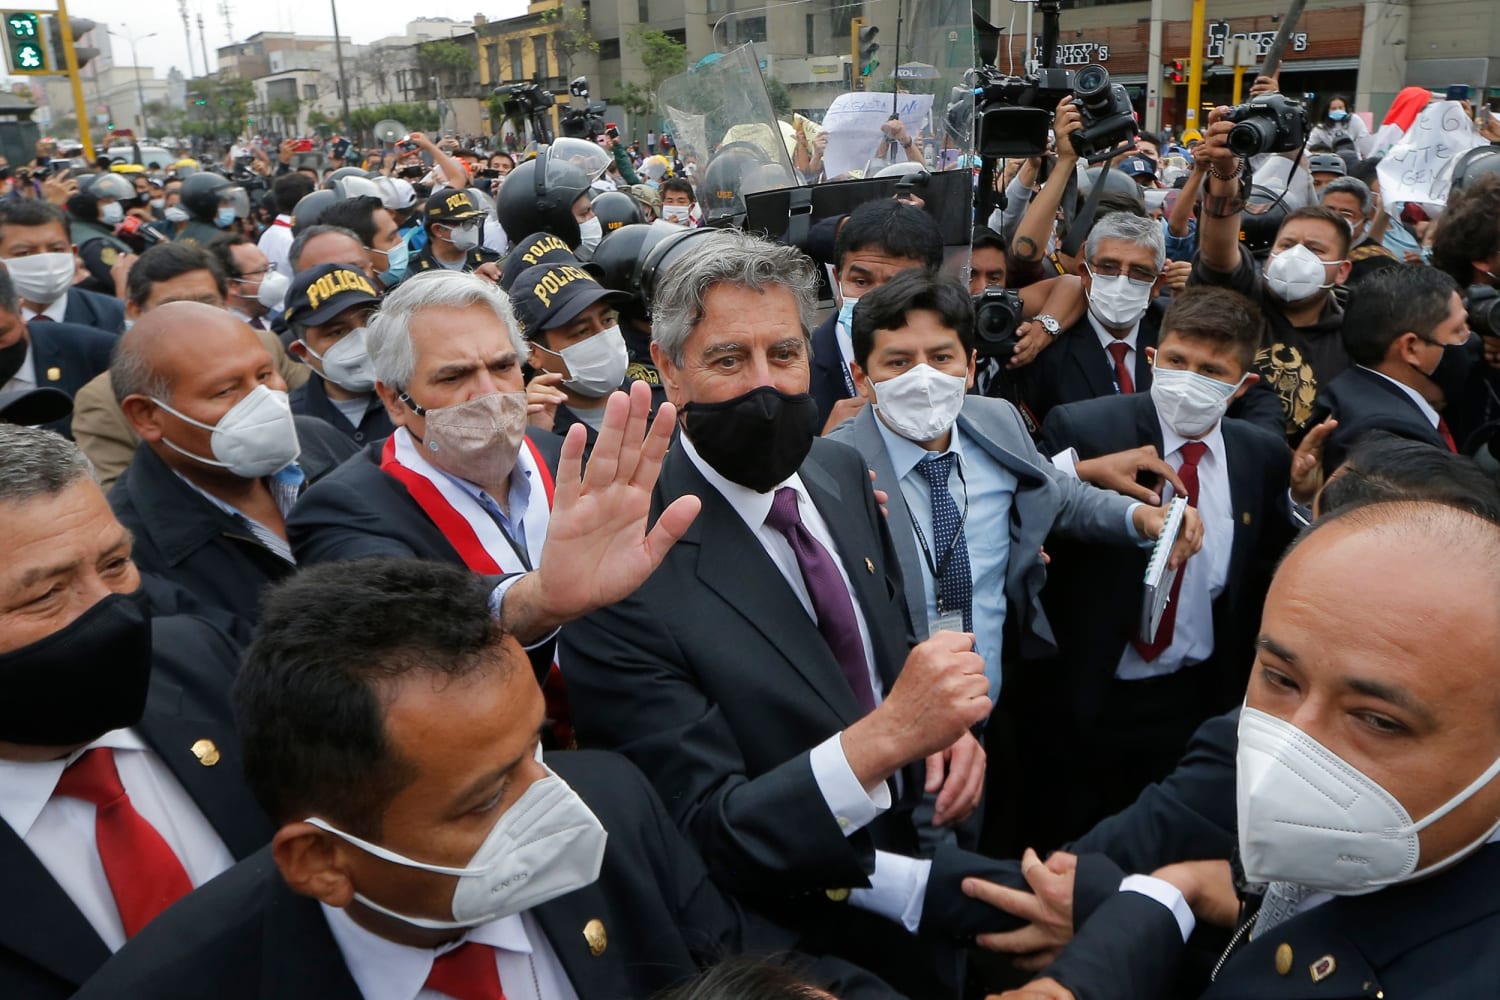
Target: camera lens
x=1484 y=312
x=1090 y=81
x=1253 y=137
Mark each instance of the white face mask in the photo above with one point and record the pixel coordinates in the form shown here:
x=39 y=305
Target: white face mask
x=347 y=362
x=111 y=214
x=921 y=403
x=272 y=290
x=589 y=233
x=1308 y=816
x=158 y=203
x=1187 y=402
x=549 y=843
x=42 y=277
x=176 y=213
x=680 y=214
x=464 y=238
x=256 y=438
x=597 y=364
x=1297 y=274
x=1116 y=302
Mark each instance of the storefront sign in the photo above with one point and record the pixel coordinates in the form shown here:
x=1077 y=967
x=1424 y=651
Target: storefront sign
x=1074 y=53
x=1218 y=35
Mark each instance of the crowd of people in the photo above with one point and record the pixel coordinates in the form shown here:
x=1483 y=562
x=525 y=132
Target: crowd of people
x=473 y=573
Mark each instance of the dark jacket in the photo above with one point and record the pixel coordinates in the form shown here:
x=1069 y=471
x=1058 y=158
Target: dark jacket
x=311 y=400
x=1364 y=401
x=92 y=309
x=827 y=383
x=47 y=946
x=67 y=356
x=182 y=537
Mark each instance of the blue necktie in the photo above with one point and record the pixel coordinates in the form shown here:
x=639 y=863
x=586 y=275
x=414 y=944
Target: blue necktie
x=954 y=583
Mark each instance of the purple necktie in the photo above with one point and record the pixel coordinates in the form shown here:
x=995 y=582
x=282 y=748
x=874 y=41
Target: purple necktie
x=832 y=605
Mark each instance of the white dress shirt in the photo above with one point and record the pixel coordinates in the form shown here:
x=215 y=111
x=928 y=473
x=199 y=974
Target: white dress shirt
x=1129 y=340
x=1433 y=417
x=384 y=970
x=54 y=312
x=1205 y=574
x=25 y=376
x=899 y=884
x=60 y=831
x=276 y=244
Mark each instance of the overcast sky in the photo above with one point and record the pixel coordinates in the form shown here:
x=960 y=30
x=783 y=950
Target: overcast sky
x=360 y=20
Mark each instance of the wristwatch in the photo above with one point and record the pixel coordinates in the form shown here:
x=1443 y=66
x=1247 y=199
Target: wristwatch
x=1049 y=324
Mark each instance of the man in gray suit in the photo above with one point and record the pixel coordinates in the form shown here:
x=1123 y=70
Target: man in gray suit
x=959 y=468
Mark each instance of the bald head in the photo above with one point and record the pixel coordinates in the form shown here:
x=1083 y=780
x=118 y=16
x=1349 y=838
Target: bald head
x=173 y=337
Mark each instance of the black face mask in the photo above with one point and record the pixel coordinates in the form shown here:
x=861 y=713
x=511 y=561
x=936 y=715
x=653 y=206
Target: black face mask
x=78 y=684
x=756 y=440
x=12 y=358
x=1451 y=375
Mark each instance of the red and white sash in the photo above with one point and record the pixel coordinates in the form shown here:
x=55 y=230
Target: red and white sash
x=466 y=525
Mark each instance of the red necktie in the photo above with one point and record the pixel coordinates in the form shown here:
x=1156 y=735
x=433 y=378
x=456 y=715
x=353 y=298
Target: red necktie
x=1192 y=454
x=1118 y=350
x=467 y=972
x=143 y=873
x=1447 y=435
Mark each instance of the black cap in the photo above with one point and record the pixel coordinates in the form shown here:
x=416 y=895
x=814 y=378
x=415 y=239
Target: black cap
x=451 y=205
x=550 y=295
x=321 y=293
x=30 y=407
x=533 y=251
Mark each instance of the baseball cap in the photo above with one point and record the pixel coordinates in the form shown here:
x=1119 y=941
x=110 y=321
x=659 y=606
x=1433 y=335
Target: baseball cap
x=549 y=295
x=31 y=407
x=321 y=293
x=1137 y=166
x=451 y=205
x=536 y=249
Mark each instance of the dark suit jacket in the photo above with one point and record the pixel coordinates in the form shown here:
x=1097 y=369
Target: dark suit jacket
x=246 y=936
x=182 y=537
x=67 y=356
x=1077 y=367
x=311 y=400
x=1094 y=596
x=827 y=383
x=47 y=947
x=92 y=309
x=1363 y=401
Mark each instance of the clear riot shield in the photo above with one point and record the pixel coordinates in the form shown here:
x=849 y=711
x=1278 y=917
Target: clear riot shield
x=851 y=112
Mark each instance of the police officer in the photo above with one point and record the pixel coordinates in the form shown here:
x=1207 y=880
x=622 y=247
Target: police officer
x=327 y=308
x=451 y=220
x=210 y=203
x=93 y=214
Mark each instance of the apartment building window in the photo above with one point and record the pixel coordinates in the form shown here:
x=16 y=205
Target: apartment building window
x=750 y=29
x=643 y=10
x=517 y=71
x=609 y=48
x=309 y=91
x=492 y=62
x=539 y=51
x=812 y=34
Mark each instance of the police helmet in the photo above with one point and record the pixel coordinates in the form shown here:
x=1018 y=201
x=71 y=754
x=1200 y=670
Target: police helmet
x=616 y=210
x=663 y=255
x=1474 y=163
x=722 y=190
x=538 y=196
x=311 y=208
x=202 y=192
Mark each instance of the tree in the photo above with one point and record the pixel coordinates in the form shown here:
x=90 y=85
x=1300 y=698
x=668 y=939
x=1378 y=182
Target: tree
x=219 y=104
x=443 y=58
x=634 y=98
x=661 y=54
x=781 y=98
x=285 y=111
x=571 y=35
x=375 y=66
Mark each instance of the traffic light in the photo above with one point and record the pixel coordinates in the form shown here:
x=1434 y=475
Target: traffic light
x=863 y=47
x=77 y=28
x=25 y=49
x=1175 y=71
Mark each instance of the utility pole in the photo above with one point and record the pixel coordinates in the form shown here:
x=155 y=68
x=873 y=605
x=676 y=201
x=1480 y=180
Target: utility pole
x=1195 y=68
x=226 y=11
x=338 y=52
x=140 y=93
x=203 y=41
x=187 y=34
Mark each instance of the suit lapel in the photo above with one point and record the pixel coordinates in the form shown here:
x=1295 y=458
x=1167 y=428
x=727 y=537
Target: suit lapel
x=1243 y=492
x=563 y=920
x=300 y=960
x=47 y=362
x=1095 y=365
x=46 y=928
x=868 y=440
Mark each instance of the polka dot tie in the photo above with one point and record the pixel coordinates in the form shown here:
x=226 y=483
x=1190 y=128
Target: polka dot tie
x=955 y=585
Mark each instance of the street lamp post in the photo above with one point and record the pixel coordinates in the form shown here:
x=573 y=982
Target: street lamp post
x=140 y=92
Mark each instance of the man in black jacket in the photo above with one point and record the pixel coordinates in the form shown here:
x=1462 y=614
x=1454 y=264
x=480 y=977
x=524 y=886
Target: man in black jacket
x=44 y=354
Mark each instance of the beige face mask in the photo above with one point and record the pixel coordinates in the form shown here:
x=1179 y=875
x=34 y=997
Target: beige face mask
x=478 y=440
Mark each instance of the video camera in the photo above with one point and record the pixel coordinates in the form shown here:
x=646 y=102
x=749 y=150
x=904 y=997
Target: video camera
x=1270 y=123
x=997 y=314
x=524 y=99
x=1013 y=113
x=586 y=122
x=1483 y=306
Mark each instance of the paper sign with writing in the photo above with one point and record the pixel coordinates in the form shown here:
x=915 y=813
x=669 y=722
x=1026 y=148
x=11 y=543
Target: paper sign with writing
x=1419 y=168
x=853 y=125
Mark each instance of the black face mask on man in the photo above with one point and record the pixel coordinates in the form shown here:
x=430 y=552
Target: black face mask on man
x=757 y=439
x=82 y=681
x=1451 y=375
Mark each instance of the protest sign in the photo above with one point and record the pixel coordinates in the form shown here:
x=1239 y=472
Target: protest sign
x=1419 y=168
x=853 y=126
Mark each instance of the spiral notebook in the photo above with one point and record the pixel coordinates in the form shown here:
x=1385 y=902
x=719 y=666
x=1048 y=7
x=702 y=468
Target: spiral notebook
x=1159 y=578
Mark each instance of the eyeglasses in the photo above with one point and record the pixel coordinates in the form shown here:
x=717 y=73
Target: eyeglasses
x=257 y=275
x=1140 y=277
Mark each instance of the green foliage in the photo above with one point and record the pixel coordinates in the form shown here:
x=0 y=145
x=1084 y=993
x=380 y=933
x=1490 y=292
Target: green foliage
x=417 y=117
x=660 y=53
x=444 y=56
x=222 y=111
x=781 y=98
x=571 y=35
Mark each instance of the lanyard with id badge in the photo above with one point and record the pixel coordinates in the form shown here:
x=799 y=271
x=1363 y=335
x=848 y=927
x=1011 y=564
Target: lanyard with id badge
x=950 y=620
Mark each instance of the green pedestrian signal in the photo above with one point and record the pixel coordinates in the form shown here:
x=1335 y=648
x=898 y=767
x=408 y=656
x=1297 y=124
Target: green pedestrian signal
x=26 y=52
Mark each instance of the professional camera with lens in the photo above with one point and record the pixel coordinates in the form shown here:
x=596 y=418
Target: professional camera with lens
x=1270 y=123
x=997 y=314
x=522 y=99
x=1483 y=305
x=1013 y=113
x=1108 y=118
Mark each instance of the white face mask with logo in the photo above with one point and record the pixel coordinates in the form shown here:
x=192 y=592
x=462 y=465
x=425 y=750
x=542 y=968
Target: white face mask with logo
x=1189 y=403
x=255 y=438
x=922 y=403
x=1308 y=816
x=347 y=362
x=1297 y=274
x=546 y=845
x=596 y=363
x=111 y=214
x=1117 y=302
x=42 y=277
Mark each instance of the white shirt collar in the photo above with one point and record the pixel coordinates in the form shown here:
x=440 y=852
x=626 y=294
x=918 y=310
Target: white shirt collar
x=26 y=787
x=1416 y=397
x=905 y=454
x=55 y=311
x=748 y=504
x=1106 y=337
x=1171 y=441
x=385 y=970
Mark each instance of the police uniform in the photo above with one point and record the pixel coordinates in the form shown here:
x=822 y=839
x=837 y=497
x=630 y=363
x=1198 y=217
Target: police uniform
x=198 y=233
x=99 y=250
x=447 y=207
x=316 y=297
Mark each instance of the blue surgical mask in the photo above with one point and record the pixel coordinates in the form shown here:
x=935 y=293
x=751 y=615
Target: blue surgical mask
x=846 y=312
x=1337 y=116
x=225 y=217
x=396 y=259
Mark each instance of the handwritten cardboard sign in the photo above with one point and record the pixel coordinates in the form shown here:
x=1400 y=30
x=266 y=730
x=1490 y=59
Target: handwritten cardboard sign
x=1419 y=168
x=853 y=125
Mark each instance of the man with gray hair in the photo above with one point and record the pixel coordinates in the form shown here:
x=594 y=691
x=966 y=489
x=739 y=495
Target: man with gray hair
x=465 y=480
x=765 y=676
x=1352 y=199
x=120 y=778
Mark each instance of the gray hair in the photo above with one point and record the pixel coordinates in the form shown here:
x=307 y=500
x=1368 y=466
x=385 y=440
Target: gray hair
x=294 y=255
x=131 y=372
x=1132 y=229
x=36 y=463
x=729 y=257
x=1354 y=186
x=388 y=334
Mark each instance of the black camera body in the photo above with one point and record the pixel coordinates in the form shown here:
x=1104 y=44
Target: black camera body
x=1013 y=113
x=523 y=99
x=1108 y=116
x=1270 y=123
x=997 y=314
x=1483 y=306
x=586 y=122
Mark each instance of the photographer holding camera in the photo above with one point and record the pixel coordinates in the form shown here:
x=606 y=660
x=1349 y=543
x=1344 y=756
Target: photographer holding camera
x=1303 y=348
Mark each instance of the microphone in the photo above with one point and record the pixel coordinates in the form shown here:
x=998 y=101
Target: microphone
x=132 y=226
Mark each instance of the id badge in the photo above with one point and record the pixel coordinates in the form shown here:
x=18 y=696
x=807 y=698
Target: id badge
x=953 y=621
